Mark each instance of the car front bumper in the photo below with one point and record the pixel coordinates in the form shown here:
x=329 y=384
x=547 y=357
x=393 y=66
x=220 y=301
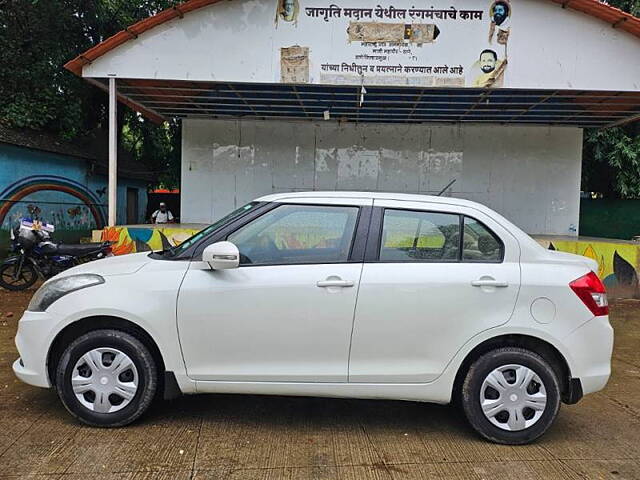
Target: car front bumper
x=33 y=340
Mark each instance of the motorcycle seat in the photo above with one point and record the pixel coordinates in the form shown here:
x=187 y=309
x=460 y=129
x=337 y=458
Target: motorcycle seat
x=80 y=249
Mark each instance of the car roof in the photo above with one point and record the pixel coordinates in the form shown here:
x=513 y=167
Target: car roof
x=407 y=197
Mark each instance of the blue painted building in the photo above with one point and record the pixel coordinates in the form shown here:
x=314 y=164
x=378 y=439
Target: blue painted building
x=65 y=184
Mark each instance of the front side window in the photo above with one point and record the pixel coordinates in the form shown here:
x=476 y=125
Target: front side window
x=177 y=250
x=297 y=234
x=419 y=236
x=480 y=244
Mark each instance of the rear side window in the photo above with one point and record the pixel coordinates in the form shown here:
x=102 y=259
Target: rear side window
x=419 y=236
x=297 y=234
x=480 y=244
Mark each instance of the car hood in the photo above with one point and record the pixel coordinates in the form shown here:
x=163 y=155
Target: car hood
x=107 y=267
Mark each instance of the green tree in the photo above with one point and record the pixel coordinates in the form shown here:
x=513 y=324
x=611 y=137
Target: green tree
x=611 y=157
x=611 y=161
x=37 y=37
x=631 y=6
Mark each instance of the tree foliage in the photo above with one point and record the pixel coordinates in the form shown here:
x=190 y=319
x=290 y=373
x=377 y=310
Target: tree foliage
x=611 y=157
x=37 y=37
x=611 y=162
x=631 y=6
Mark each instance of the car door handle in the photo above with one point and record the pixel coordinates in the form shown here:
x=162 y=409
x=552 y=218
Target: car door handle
x=489 y=283
x=335 y=283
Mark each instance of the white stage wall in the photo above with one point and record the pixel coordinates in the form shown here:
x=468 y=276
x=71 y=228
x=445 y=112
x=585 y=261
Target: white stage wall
x=531 y=175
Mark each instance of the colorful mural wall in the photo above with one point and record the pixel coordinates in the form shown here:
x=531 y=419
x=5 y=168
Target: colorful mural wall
x=57 y=189
x=144 y=239
x=62 y=201
x=618 y=261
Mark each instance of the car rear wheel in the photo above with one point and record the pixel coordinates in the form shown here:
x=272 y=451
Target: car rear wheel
x=106 y=378
x=511 y=396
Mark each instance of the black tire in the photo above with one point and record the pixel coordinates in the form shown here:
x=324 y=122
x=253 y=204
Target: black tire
x=145 y=367
x=27 y=278
x=472 y=387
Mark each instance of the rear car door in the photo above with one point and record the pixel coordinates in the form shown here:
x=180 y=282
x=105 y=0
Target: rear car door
x=434 y=276
x=286 y=314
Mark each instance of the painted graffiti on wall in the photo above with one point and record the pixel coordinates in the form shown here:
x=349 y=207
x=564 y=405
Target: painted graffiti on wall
x=491 y=69
x=384 y=44
x=617 y=262
x=491 y=63
x=67 y=204
x=500 y=15
x=287 y=10
x=141 y=239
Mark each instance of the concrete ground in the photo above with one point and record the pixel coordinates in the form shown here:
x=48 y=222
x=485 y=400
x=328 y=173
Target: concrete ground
x=252 y=437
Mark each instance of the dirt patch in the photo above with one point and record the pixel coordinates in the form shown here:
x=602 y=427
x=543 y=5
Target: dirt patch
x=13 y=304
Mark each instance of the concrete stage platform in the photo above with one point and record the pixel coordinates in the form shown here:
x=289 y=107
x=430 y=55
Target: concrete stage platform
x=618 y=260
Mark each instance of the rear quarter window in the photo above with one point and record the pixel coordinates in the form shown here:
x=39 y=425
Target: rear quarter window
x=480 y=244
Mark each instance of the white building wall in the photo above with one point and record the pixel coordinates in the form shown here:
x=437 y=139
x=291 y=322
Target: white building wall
x=239 y=41
x=531 y=175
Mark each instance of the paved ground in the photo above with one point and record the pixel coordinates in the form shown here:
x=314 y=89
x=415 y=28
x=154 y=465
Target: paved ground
x=251 y=437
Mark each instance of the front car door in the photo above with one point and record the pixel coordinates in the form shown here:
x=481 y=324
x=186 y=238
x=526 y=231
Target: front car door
x=435 y=275
x=286 y=314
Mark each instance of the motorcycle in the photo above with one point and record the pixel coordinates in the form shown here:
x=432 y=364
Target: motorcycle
x=36 y=256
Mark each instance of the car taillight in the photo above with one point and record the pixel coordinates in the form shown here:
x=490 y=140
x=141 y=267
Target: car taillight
x=592 y=293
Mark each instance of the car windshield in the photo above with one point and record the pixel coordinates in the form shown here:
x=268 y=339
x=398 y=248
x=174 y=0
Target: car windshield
x=178 y=249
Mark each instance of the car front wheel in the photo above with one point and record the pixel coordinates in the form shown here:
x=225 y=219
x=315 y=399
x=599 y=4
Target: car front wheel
x=511 y=395
x=106 y=378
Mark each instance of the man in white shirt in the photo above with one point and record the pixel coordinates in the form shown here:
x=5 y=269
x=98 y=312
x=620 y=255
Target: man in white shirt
x=162 y=215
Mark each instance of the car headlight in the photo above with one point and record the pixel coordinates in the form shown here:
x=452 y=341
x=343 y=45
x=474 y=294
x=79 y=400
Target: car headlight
x=56 y=289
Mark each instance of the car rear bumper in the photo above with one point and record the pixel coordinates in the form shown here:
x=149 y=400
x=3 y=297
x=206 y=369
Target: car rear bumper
x=33 y=341
x=591 y=346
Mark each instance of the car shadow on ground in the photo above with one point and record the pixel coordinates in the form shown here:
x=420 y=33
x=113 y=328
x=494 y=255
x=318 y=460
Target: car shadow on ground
x=296 y=414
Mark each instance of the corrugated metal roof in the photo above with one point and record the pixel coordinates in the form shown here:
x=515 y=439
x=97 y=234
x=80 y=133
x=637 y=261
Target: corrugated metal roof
x=190 y=99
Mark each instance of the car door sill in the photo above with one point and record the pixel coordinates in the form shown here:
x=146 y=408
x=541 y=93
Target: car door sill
x=435 y=392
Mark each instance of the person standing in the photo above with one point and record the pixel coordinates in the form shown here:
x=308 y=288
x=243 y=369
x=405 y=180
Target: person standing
x=162 y=215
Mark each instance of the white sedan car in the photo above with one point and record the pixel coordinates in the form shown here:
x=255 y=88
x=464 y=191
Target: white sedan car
x=362 y=295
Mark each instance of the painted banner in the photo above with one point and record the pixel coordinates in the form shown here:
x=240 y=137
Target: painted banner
x=398 y=44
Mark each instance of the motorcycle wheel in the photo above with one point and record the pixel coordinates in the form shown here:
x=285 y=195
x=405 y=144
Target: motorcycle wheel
x=8 y=280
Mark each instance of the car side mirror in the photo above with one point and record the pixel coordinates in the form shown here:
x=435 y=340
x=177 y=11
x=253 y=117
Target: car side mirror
x=221 y=256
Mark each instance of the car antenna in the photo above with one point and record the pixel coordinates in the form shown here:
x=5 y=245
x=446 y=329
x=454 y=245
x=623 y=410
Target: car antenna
x=445 y=188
